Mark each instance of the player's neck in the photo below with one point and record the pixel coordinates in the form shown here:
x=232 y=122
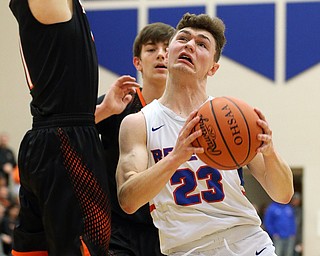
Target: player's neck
x=151 y=91
x=189 y=88
x=183 y=100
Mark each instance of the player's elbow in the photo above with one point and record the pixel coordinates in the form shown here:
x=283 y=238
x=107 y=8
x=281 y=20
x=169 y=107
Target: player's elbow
x=127 y=208
x=126 y=204
x=287 y=198
x=284 y=197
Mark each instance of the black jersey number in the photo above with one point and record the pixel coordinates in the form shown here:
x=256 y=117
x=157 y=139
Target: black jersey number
x=187 y=181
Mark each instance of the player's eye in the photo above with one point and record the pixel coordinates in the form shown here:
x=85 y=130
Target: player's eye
x=201 y=44
x=182 y=38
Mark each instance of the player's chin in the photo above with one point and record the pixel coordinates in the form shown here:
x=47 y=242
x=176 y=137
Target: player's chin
x=161 y=71
x=160 y=76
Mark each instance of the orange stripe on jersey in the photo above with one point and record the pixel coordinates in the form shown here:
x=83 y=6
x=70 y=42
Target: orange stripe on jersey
x=30 y=84
x=143 y=102
x=35 y=253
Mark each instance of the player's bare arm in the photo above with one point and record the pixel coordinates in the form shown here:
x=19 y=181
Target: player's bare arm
x=51 y=11
x=137 y=184
x=117 y=98
x=272 y=172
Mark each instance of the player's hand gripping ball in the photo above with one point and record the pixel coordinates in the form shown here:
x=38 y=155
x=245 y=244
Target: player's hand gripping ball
x=229 y=133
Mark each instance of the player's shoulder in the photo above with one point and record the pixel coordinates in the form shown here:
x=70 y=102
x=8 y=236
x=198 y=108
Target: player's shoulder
x=133 y=127
x=132 y=120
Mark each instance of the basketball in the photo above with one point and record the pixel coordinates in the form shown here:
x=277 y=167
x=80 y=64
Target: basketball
x=229 y=133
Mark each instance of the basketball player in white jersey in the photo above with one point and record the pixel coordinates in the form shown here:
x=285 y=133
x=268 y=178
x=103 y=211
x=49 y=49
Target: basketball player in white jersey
x=198 y=210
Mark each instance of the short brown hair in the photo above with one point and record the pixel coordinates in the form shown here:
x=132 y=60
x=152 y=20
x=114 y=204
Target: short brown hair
x=154 y=33
x=203 y=21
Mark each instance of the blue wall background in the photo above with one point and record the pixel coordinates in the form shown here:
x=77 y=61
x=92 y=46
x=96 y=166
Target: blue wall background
x=250 y=32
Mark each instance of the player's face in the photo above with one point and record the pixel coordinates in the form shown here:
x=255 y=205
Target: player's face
x=192 y=50
x=153 y=62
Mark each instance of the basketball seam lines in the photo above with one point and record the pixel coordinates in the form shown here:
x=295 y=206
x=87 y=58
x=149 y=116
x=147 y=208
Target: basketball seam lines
x=248 y=129
x=221 y=134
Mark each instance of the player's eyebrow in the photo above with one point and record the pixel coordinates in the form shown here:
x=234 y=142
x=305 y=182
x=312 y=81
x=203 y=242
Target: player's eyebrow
x=185 y=31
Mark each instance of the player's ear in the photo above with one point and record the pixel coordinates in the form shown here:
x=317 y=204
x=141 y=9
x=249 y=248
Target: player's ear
x=213 y=69
x=137 y=63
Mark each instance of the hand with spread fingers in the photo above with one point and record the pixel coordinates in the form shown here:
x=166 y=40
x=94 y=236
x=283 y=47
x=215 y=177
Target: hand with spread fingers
x=117 y=98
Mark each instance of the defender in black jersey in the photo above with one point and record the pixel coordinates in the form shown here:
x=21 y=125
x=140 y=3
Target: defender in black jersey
x=65 y=208
x=135 y=235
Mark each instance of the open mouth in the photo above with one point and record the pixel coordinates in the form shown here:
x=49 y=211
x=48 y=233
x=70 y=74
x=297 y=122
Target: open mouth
x=161 y=66
x=186 y=57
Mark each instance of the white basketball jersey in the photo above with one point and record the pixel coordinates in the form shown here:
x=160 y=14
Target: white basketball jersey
x=198 y=200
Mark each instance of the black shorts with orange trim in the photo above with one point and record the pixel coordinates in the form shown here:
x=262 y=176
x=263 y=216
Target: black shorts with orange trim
x=133 y=239
x=64 y=199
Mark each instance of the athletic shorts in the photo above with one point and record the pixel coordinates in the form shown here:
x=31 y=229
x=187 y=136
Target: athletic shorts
x=258 y=243
x=133 y=239
x=63 y=195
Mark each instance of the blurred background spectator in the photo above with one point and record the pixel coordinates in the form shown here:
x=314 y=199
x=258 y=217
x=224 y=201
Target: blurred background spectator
x=7 y=157
x=279 y=221
x=296 y=202
x=9 y=221
x=9 y=200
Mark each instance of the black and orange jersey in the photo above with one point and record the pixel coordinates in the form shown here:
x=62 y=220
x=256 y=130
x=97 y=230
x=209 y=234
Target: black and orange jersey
x=60 y=62
x=109 y=131
x=61 y=162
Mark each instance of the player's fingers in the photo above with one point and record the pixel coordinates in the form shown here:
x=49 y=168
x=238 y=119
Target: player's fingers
x=192 y=134
x=264 y=148
x=265 y=127
x=192 y=115
x=262 y=122
x=124 y=78
x=260 y=114
x=129 y=86
x=132 y=85
x=197 y=150
x=190 y=124
x=265 y=138
x=126 y=99
x=189 y=119
x=192 y=137
x=126 y=81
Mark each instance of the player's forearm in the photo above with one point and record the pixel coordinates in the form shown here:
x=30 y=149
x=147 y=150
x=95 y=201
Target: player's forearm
x=134 y=193
x=101 y=113
x=142 y=187
x=278 y=178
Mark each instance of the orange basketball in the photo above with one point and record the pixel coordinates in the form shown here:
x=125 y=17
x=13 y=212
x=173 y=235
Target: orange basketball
x=229 y=133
